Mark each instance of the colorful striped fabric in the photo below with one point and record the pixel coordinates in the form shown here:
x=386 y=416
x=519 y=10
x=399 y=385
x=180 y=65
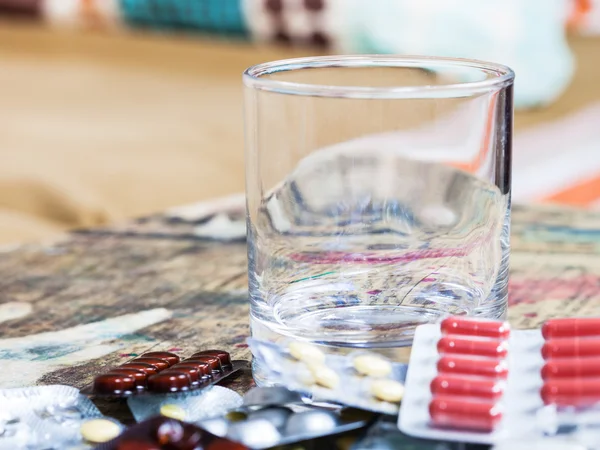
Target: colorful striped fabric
x=559 y=162
x=215 y=16
x=281 y=20
x=522 y=34
x=303 y=22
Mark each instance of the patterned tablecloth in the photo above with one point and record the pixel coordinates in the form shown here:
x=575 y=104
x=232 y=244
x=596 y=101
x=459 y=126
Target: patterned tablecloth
x=177 y=281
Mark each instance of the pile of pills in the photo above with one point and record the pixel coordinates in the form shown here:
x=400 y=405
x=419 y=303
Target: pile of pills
x=165 y=372
x=473 y=380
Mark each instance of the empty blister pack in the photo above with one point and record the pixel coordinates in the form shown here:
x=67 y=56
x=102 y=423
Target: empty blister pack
x=274 y=416
x=361 y=379
x=473 y=380
x=189 y=407
x=43 y=417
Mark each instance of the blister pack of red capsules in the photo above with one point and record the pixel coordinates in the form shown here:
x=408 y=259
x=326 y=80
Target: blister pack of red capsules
x=473 y=380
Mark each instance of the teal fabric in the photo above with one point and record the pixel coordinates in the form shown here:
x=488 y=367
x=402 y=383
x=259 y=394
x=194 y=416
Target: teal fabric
x=213 y=16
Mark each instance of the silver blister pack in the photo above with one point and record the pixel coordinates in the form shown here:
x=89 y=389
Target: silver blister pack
x=273 y=416
x=195 y=405
x=351 y=389
x=45 y=417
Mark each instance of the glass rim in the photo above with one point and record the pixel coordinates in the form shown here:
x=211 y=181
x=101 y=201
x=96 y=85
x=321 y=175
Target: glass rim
x=253 y=77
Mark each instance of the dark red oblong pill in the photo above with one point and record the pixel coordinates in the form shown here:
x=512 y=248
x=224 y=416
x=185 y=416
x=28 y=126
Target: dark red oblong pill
x=223 y=356
x=485 y=388
x=139 y=376
x=455 y=412
x=137 y=444
x=225 y=444
x=472 y=346
x=169 y=357
x=160 y=364
x=212 y=361
x=571 y=368
x=571 y=327
x=463 y=365
x=169 y=381
x=114 y=384
x=203 y=367
x=571 y=348
x=578 y=392
x=148 y=368
x=191 y=369
x=475 y=327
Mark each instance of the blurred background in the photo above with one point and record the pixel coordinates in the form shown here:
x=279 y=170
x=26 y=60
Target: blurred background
x=112 y=109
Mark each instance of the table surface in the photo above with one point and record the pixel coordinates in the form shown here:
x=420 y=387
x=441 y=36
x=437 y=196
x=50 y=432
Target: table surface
x=97 y=297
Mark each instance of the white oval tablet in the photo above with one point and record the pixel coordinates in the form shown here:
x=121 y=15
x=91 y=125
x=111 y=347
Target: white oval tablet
x=372 y=365
x=99 y=430
x=305 y=352
x=387 y=390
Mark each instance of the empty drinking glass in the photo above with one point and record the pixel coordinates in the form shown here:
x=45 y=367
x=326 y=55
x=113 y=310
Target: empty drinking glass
x=378 y=195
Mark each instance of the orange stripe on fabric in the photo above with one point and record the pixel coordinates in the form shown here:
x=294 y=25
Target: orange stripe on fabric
x=580 y=10
x=90 y=14
x=581 y=194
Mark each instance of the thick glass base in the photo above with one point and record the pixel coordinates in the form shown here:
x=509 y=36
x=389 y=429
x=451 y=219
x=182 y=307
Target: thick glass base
x=387 y=330
x=397 y=351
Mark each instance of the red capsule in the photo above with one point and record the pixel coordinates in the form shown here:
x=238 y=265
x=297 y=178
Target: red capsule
x=453 y=412
x=475 y=327
x=169 y=357
x=478 y=347
x=571 y=348
x=451 y=385
x=484 y=367
x=571 y=368
x=578 y=392
x=571 y=327
x=160 y=364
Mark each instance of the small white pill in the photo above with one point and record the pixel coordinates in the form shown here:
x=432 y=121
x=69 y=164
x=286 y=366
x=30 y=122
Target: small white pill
x=99 y=430
x=306 y=352
x=372 y=366
x=172 y=411
x=387 y=390
x=324 y=376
